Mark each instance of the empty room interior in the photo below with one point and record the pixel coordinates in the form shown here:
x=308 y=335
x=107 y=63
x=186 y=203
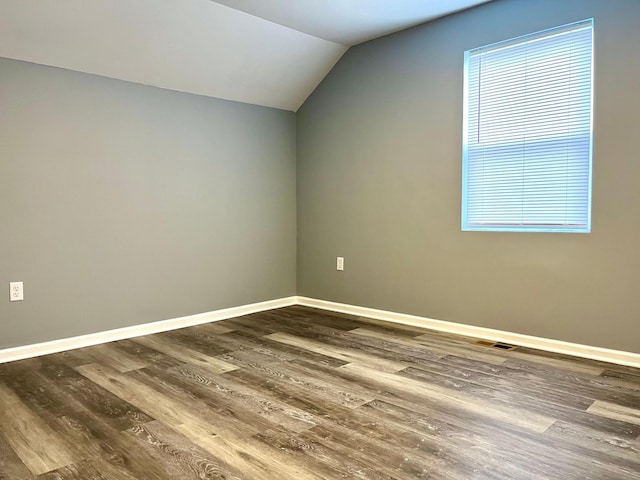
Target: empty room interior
x=304 y=240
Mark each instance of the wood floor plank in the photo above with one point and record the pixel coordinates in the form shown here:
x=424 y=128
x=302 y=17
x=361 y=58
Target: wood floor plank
x=256 y=343
x=471 y=449
x=463 y=350
x=85 y=433
x=181 y=458
x=573 y=366
x=591 y=386
x=259 y=460
x=145 y=354
x=405 y=353
x=204 y=384
x=528 y=401
x=232 y=341
x=339 y=353
x=278 y=379
x=558 y=382
x=115 y=455
x=564 y=383
x=316 y=316
x=195 y=340
x=625 y=376
x=11 y=467
x=287 y=319
x=72 y=358
x=373 y=427
x=212 y=432
x=80 y=471
x=29 y=436
x=184 y=354
x=532 y=387
x=435 y=345
x=403 y=464
x=626 y=452
x=503 y=413
x=107 y=354
x=214 y=328
x=392 y=329
x=597 y=365
x=147 y=399
x=617 y=412
x=398 y=345
x=511 y=452
x=417 y=454
x=254 y=459
x=108 y=407
x=227 y=416
x=256 y=355
x=326 y=461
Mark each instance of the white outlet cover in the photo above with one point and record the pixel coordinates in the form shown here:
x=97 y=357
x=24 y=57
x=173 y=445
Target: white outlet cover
x=340 y=263
x=16 y=291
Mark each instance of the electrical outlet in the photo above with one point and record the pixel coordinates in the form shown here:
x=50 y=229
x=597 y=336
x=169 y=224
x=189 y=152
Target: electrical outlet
x=16 y=291
x=340 y=263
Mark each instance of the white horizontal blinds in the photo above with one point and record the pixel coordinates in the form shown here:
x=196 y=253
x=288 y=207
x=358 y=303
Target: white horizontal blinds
x=528 y=145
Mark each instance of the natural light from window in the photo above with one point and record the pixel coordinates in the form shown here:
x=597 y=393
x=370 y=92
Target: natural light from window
x=527 y=135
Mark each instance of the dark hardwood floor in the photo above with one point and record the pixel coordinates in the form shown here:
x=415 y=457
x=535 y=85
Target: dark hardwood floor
x=299 y=393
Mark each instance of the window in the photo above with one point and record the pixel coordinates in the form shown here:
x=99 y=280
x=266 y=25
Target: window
x=527 y=133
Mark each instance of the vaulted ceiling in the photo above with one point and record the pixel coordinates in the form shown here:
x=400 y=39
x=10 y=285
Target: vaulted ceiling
x=264 y=52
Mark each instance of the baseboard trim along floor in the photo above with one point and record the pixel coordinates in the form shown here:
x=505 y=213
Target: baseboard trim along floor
x=55 y=346
x=550 y=345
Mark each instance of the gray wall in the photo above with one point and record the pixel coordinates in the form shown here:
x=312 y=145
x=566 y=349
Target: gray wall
x=379 y=182
x=123 y=204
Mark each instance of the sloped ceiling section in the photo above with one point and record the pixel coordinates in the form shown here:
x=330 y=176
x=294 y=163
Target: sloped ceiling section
x=195 y=46
x=264 y=52
x=350 y=21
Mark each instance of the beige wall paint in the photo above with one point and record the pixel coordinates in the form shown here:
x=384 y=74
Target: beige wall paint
x=122 y=204
x=379 y=182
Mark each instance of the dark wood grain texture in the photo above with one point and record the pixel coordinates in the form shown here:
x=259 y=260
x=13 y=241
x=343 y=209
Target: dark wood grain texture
x=304 y=394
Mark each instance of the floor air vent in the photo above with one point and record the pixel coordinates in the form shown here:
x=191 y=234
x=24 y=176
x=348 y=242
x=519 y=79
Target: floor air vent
x=502 y=346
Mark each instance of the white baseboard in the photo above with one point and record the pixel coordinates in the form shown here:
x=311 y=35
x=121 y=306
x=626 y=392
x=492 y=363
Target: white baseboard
x=55 y=346
x=557 y=346
x=549 y=345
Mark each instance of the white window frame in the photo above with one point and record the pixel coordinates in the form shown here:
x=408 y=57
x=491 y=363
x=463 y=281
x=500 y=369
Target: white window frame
x=523 y=225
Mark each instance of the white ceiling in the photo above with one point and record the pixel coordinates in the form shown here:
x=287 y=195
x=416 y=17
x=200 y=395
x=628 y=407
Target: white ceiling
x=264 y=52
x=350 y=22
